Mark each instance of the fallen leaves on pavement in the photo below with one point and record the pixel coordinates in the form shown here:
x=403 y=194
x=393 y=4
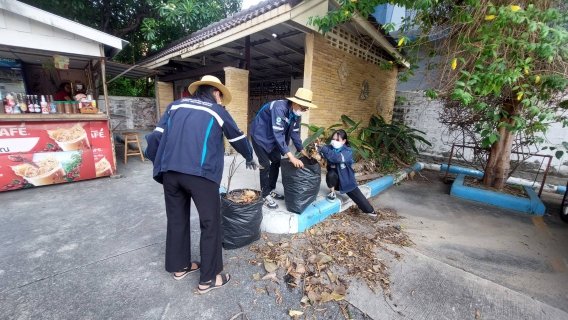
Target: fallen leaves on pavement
x=320 y=260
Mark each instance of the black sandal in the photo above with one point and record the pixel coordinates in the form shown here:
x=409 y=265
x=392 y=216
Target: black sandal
x=187 y=270
x=213 y=285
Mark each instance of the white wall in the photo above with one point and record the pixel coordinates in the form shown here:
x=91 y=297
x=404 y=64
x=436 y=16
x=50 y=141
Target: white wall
x=420 y=113
x=19 y=31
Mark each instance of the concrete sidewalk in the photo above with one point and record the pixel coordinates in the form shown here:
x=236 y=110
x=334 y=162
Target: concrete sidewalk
x=95 y=249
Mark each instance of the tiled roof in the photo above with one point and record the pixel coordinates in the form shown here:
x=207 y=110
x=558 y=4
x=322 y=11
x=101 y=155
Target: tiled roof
x=216 y=28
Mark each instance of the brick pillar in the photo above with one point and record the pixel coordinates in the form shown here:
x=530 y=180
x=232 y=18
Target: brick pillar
x=164 y=96
x=237 y=81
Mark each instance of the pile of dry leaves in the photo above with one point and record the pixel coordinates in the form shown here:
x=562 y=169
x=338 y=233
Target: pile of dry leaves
x=323 y=259
x=243 y=196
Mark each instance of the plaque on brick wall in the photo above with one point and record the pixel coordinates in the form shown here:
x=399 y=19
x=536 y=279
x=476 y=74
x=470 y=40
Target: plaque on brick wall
x=342 y=72
x=364 y=90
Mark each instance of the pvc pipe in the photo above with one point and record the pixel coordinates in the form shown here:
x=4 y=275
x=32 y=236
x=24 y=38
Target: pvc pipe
x=511 y=180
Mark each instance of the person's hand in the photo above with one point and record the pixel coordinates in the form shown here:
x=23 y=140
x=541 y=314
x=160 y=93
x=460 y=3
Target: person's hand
x=297 y=162
x=305 y=154
x=252 y=164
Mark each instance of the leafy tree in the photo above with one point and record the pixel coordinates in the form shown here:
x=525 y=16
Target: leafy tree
x=501 y=68
x=148 y=25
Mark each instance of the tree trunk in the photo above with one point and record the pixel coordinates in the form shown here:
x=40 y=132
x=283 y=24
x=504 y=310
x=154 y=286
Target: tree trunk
x=499 y=161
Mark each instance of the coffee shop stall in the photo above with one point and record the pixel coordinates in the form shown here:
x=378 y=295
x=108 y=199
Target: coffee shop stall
x=44 y=141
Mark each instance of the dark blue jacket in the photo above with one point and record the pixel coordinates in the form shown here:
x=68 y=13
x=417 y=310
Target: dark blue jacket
x=274 y=125
x=189 y=139
x=340 y=161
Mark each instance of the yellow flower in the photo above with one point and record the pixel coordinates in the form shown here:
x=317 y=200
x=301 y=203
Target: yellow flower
x=353 y=1
x=526 y=71
x=390 y=62
x=346 y=12
x=401 y=41
x=454 y=63
x=490 y=17
x=515 y=8
x=537 y=79
x=519 y=96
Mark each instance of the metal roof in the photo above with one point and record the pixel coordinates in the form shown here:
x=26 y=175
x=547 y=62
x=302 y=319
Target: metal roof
x=216 y=28
x=56 y=21
x=128 y=71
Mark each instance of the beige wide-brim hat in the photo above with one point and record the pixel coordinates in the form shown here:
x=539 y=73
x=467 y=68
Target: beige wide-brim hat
x=303 y=97
x=212 y=81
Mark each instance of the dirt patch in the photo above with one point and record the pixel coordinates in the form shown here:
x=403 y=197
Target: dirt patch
x=514 y=190
x=323 y=260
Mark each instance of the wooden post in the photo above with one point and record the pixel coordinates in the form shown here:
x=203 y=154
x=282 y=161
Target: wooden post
x=107 y=104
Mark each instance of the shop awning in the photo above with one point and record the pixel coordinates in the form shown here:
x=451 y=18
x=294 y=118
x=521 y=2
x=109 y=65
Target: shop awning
x=118 y=69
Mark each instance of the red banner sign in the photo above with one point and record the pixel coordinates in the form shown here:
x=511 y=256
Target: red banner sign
x=43 y=153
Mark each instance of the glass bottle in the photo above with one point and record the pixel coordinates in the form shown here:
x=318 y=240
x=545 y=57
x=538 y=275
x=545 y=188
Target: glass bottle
x=67 y=105
x=2 y=109
x=31 y=108
x=44 y=105
x=22 y=103
x=37 y=107
x=52 y=106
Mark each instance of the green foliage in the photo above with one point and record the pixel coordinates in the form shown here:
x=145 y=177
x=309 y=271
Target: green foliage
x=502 y=66
x=379 y=141
x=147 y=24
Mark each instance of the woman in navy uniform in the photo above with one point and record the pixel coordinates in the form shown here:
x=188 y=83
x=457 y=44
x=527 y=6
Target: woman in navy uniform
x=275 y=124
x=187 y=151
x=340 y=175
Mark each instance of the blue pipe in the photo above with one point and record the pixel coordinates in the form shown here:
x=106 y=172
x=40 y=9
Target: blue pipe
x=466 y=171
x=479 y=174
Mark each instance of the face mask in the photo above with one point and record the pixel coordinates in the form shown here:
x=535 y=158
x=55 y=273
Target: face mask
x=298 y=113
x=336 y=144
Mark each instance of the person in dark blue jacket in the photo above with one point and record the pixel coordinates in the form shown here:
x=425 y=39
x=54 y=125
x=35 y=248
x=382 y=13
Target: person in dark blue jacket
x=340 y=175
x=275 y=124
x=187 y=151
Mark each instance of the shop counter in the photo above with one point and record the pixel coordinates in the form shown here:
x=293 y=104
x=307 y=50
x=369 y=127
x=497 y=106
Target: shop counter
x=38 y=150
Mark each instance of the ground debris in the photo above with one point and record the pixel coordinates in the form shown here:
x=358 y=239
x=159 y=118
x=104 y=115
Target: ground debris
x=322 y=260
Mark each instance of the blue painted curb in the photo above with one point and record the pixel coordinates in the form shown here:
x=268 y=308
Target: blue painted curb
x=321 y=209
x=532 y=205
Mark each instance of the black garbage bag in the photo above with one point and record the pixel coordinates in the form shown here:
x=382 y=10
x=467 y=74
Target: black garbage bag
x=240 y=222
x=301 y=186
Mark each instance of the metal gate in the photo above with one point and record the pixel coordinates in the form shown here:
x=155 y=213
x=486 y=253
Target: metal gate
x=263 y=92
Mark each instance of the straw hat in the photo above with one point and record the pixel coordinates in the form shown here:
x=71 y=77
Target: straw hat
x=303 y=97
x=215 y=82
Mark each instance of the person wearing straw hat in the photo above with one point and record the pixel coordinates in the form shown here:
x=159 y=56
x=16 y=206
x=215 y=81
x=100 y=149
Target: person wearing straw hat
x=274 y=125
x=187 y=150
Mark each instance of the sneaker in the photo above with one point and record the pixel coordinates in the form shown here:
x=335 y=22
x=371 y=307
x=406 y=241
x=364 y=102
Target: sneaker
x=269 y=202
x=331 y=197
x=372 y=214
x=276 y=195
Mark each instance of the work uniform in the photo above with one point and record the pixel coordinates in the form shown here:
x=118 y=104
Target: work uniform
x=341 y=176
x=187 y=151
x=271 y=131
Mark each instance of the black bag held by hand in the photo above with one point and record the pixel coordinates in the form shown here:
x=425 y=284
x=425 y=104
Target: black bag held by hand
x=301 y=186
x=240 y=222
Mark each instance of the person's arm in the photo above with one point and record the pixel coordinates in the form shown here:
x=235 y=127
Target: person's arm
x=278 y=116
x=236 y=137
x=345 y=155
x=68 y=98
x=153 y=139
x=297 y=140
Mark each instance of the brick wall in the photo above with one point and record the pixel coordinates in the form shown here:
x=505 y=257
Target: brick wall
x=237 y=81
x=164 y=95
x=334 y=98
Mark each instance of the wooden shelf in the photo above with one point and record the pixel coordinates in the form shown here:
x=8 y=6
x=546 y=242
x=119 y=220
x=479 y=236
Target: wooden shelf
x=52 y=117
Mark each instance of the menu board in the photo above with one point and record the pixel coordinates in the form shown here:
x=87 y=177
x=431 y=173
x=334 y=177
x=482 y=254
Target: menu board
x=42 y=153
